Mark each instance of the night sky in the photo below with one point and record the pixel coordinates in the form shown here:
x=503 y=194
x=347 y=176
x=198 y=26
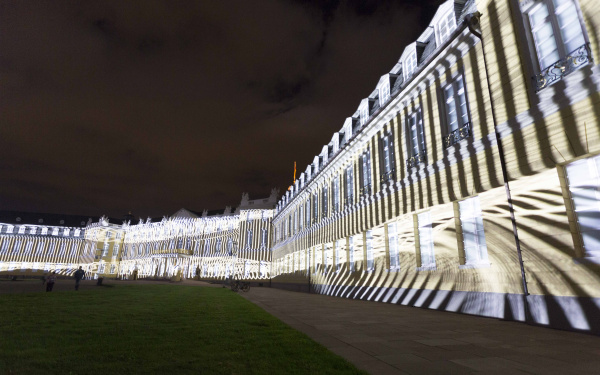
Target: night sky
x=150 y=106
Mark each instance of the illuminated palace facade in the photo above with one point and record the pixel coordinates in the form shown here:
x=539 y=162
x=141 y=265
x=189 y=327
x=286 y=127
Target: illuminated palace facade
x=468 y=180
x=216 y=246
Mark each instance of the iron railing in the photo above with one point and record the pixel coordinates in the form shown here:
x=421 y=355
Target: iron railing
x=365 y=190
x=388 y=176
x=417 y=159
x=555 y=72
x=457 y=135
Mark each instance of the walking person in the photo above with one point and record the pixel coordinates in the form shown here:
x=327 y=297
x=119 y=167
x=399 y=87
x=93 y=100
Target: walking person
x=50 y=280
x=79 y=274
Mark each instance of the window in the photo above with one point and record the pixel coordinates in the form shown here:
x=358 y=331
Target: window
x=22 y=229
x=307 y=259
x=28 y=248
x=115 y=250
x=307 y=212
x=263 y=269
x=416 y=139
x=457 y=115
x=410 y=65
x=44 y=231
x=336 y=256
x=326 y=252
x=324 y=205
x=55 y=231
x=471 y=222
x=112 y=268
x=219 y=242
x=263 y=239
x=445 y=27
x=349 y=184
x=230 y=246
x=206 y=247
x=105 y=250
x=318 y=256
x=393 y=246
x=32 y=230
x=315 y=207
x=365 y=170
x=336 y=194
x=369 y=250
x=425 y=241
x=384 y=91
x=583 y=179
x=386 y=154
x=557 y=38
x=249 y=239
x=351 y=253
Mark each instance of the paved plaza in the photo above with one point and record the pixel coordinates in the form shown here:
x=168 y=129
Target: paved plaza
x=391 y=339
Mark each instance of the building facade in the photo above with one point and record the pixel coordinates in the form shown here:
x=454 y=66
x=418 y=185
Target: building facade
x=467 y=181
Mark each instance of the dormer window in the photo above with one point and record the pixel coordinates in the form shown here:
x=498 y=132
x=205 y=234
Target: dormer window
x=384 y=92
x=410 y=65
x=445 y=27
x=364 y=112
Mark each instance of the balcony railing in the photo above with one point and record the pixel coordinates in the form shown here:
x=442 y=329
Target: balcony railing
x=457 y=135
x=555 y=72
x=417 y=159
x=388 y=176
x=365 y=190
x=349 y=199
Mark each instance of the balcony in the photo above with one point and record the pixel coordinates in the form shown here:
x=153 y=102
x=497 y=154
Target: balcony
x=388 y=176
x=417 y=159
x=555 y=72
x=457 y=135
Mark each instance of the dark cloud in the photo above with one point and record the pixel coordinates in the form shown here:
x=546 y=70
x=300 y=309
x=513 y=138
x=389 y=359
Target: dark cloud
x=113 y=106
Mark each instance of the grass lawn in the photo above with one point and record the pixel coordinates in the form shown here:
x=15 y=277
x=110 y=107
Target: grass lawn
x=153 y=329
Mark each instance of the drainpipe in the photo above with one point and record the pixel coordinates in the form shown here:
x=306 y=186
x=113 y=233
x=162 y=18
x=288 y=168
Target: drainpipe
x=473 y=21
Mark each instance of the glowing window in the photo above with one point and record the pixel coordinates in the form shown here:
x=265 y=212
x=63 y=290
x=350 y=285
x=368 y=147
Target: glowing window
x=583 y=178
x=351 y=253
x=393 y=246
x=349 y=184
x=336 y=256
x=416 y=137
x=369 y=251
x=425 y=249
x=249 y=240
x=471 y=222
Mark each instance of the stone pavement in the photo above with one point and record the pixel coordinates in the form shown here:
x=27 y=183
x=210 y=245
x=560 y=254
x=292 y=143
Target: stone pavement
x=392 y=339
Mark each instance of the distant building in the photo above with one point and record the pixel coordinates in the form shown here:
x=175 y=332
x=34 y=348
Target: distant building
x=188 y=244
